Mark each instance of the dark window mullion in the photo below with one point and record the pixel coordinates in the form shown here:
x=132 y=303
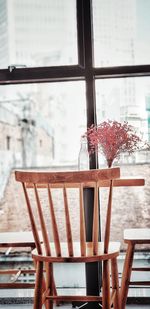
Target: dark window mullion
x=80 y=33
x=89 y=78
x=122 y=71
x=41 y=74
x=92 y=269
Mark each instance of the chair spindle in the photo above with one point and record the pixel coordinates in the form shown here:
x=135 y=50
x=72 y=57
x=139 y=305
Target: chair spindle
x=108 y=219
x=68 y=224
x=32 y=220
x=42 y=222
x=82 y=223
x=54 y=223
x=95 y=233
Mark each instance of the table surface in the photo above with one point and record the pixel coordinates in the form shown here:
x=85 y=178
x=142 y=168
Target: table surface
x=120 y=182
x=125 y=182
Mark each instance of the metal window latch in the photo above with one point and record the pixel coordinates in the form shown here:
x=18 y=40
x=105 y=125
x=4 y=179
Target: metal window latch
x=16 y=66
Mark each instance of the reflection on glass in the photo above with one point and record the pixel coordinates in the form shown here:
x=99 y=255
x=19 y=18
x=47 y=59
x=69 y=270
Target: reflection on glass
x=121 y=32
x=41 y=124
x=128 y=100
x=38 y=33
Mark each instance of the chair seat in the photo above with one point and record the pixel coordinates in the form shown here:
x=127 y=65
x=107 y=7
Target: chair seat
x=138 y=236
x=113 y=251
x=133 y=237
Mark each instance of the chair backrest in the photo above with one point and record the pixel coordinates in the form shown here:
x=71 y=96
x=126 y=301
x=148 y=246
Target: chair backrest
x=40 y=188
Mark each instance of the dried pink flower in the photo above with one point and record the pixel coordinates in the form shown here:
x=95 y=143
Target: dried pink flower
x=112 y=138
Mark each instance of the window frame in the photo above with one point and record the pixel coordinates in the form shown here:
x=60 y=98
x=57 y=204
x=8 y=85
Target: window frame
x=85 y=71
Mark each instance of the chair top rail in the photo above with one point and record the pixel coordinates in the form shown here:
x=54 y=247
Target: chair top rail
x=70 y=177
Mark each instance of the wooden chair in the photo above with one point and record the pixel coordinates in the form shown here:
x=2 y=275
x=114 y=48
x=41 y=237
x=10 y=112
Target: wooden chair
x=10 y=240
x=57 y=250
x=133 y=237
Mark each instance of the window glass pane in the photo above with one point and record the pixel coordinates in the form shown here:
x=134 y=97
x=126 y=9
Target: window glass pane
x=38 y=33
x=41 y=124
x=121 y=32
x=125 y=99
x=128 y=100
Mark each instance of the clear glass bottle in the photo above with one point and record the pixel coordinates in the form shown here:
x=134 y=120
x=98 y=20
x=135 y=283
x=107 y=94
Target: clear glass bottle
x=83 y=158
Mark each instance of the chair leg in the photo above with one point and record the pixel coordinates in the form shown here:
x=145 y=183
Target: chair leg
x=115 y=283
x=55 y=291
x=49 y=284
x=38 y=286
x=106 y=302
x=44 y=289
x=126 y=274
